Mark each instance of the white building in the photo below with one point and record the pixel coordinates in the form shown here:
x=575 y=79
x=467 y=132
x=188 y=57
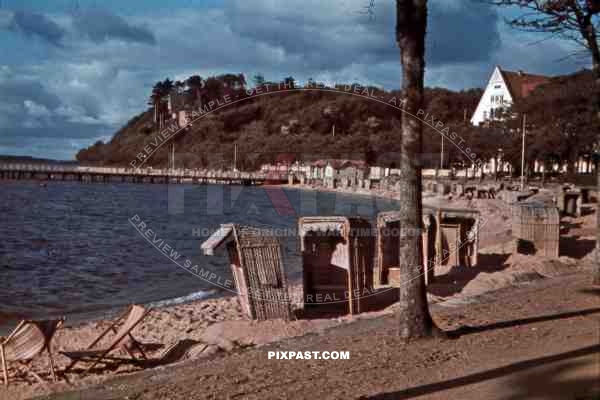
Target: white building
x=502 y=90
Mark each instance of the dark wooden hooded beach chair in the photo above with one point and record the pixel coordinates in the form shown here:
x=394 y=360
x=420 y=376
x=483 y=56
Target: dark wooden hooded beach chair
x=26 y=342
x=122 y=339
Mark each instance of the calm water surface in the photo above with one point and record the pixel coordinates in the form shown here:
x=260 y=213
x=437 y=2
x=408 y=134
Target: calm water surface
x=69 y=248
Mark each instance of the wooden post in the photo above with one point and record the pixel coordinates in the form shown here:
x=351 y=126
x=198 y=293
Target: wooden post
x=438 y=240
x=4 y=368
x=475 y=255
x=428 y=271
x=51 y=364
x=442 y=154
x=523 y=155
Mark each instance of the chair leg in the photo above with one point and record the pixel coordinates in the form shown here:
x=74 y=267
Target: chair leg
x=71 y=365
x=53 y=373
x=137 y=346
x=128 y=350
x=4 y=368
x=131 y=353
x=88 y=369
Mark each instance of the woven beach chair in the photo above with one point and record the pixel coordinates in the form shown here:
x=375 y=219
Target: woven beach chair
x=26 y=342
x=122 y=339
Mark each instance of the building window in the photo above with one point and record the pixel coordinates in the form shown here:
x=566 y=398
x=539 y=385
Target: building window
x=497 y=86
x=485 y=115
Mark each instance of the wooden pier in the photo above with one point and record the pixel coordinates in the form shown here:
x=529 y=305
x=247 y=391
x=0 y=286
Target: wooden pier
x=90 y=174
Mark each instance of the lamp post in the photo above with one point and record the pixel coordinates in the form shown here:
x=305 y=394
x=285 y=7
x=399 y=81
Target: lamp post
x=523 y=155
x=442 y=154
x=499 y=169
x=235 y=158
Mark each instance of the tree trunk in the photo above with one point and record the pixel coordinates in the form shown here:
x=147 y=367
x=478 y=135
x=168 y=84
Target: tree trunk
x=596 y=271
x=588 y=31
x=596 y=70
x=414 y=318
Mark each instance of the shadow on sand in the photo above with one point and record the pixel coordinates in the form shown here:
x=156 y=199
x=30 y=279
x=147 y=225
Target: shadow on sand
x=465 y=330
x=458 y=277
x=574 y=247
x=546 y=383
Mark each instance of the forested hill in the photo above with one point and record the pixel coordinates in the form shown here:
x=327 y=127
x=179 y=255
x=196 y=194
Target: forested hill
x=264 y=126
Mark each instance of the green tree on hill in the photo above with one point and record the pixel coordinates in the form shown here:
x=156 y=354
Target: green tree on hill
x=258 y=79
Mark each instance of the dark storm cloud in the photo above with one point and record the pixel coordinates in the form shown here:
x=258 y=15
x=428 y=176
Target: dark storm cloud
x=461 y=31
x=15 y=92
x=33 y=24
x=466 y=33
x=100 y=25
x=96 y=24
x=29 y=110
x=94 y=70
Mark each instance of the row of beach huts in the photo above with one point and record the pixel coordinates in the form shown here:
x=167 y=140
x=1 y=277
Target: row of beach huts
x=346 y=261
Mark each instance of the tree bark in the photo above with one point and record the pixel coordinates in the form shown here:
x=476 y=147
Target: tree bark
x=596 y=71
x=588 y=32
x=596 y=271
x=593 y=45
x=414 y=318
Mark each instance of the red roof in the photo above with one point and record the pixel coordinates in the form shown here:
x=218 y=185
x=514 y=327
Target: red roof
x=285 y=158
x=521 y=84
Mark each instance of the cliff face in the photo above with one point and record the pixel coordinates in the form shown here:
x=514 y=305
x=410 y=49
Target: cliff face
x=314 y=124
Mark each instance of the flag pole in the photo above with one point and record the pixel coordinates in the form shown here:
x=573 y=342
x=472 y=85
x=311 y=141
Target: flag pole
x=523 y=155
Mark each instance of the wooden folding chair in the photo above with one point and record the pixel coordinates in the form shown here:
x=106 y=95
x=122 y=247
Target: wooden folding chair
x=27 y=341
x=129 y=320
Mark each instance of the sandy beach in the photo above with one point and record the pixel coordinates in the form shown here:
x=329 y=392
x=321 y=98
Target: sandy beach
x=216 y=327
x=533 y=341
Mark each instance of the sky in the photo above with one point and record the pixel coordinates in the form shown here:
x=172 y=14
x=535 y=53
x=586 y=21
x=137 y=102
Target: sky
x=73 y=71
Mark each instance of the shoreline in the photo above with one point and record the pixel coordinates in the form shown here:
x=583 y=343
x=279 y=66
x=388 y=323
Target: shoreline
x=204 y=329
x=99 y=314
x=8 y=322
x=490 y=337
x=208 y=327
